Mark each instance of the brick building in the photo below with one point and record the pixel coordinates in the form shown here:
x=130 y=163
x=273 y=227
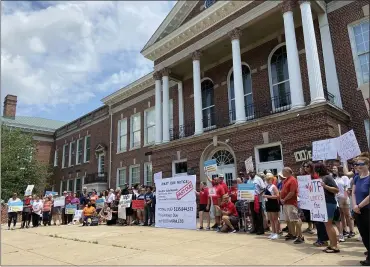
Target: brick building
x=231 y=79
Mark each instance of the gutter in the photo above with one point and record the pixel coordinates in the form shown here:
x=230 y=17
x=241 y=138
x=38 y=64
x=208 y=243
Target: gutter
x=110 y=146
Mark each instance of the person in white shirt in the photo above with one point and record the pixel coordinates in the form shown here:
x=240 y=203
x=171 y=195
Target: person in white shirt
x=258 y=226
x=36 y=211
x=12 y=215
x=111 y=197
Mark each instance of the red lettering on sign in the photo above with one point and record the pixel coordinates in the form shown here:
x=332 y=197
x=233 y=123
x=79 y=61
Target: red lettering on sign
x=184 y=190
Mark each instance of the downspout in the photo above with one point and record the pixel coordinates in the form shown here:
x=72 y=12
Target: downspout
x=110 y=146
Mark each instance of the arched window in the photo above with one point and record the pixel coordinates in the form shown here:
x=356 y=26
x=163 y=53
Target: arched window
x=208 y=104
x=279 y=78
x=248 y=96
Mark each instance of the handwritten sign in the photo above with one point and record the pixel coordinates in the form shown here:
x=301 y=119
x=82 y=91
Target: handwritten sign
x=29 y=190
x=304 y=184
x=249 y=167
x=59 y=202
x=210 y=165
x=99 y=203
x=246 y=191
x=125 y=201
x=348 y=146
x=318 y=209
x=71 y=209
x=138 y=204
x=325 y=149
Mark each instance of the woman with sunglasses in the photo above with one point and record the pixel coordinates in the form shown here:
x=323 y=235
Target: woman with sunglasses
x=360 y=202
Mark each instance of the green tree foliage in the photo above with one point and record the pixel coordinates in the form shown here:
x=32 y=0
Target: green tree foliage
x=19 y=166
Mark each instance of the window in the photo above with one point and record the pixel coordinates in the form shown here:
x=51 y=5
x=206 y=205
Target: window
x=359 y=36
x=208 y=104
x=279 y=78
x=134 y=174
x=149 y=126
x=148 y=174
x=271 y=153
x=87 y=149
x=101 y=164
x=121 y=177
x=135 y=131
x=71 y=153
x=70 y=185
x=248 y=97
x=78 y=185
x=65 y=155
x=56 y=157
x=208 y=3
x=179 y=167
x=122 y=136
x=79 y=153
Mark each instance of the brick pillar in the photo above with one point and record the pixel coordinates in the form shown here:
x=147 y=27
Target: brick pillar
x=10 y=106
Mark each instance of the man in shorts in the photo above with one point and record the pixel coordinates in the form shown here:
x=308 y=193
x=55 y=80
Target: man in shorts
x=229 y=215
x=216 y=192
x=289 y=198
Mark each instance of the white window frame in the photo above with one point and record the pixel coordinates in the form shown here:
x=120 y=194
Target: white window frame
x=119 y=135
x=270 y=80
x=130 y=174
x=174 y=167
x=124 y=169
x=152 y=109
x=132 y=133
x=64 y=156
x=70 y=163
x=209 y=107
x=56 y=158
x=85 y=154
x=77 y=151
x=146 y=178
x=355 y=54
x=99 y=164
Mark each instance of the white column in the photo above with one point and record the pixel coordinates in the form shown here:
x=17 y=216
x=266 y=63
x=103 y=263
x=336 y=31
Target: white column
x=294 y=69
x=158 y=108
x=312 y=56
x=197 y=93
x=329 y=61
x=238 y=77
x=181 y=109
x=166 y=106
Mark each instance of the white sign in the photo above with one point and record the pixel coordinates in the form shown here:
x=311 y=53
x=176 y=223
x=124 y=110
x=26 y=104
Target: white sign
x=348 y=146
x=121 y=212
x=59 y=202
x=29 y=190
x=249 y=164
x=319 y=212
x=176 y=189
x=78 y=215
x=177 y=214
x=157 y=176
x=125 y=200
x=304 y=184
x=325 y=149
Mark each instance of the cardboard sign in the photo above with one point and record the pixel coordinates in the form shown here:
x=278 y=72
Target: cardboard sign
x=138 y=204
x=210 y=166
x=246 y=191
x=348 y=146
x=304 y=184
x=29 y=190
x=249 y=164
x=125 y=201
x=70 y=209
x=122 y=211
x=325 y=149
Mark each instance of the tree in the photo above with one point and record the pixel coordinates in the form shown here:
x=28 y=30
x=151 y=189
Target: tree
x=19 y=166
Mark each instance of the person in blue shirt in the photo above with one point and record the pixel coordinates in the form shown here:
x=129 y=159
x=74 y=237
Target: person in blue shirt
x=152 y=218
x=148 y=197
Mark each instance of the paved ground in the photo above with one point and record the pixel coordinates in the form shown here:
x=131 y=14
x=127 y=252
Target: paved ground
x=133 y=245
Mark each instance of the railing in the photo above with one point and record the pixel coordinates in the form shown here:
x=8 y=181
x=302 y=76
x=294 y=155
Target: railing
x=329 y=97
x=99 y=177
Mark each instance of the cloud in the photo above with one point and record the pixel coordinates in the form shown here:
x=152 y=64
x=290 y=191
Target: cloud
x=67 y=53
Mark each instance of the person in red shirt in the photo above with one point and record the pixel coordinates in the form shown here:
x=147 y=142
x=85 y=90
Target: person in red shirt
x=289 y=198
x=229 y=215
x=222 y=183
x=233 y=192
x=216 y=193
x=204 y=205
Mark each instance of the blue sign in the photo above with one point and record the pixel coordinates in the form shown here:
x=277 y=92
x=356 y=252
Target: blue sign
x=210 y=165
x=246 y=191
x=244 y=187
x=48 y=193
x=210 y=162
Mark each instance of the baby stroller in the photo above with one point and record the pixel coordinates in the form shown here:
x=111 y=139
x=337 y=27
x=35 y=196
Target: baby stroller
x=242 y=207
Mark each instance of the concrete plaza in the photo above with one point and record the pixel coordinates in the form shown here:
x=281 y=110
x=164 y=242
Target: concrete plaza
x=134 y=245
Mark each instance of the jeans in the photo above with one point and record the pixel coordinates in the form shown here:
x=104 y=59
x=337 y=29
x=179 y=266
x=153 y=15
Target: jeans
x=45 y=217
x=363 y=225
x=148 y=214
x=322 y=235
x=152 y=213
x=12 y=217
x=257 y=219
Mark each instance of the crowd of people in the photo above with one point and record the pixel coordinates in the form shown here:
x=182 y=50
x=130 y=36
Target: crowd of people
x=346 y=197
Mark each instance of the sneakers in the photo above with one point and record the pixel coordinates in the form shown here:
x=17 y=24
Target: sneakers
x=200 y=228
x=208 y=228
x=299 y=240
x=233 y=231
x=341 y=238
x=351 y=234
x=274 y=237
x=290 y=237
x=270 y=236
x=214 y=226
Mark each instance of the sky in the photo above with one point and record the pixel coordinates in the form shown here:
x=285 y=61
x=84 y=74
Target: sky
x=61 y=58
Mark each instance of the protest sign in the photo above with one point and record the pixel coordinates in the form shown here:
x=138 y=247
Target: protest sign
x=249 y=164
x=157 y=176
x=246 y=191
x=177 y=214
x=15 y=206
x=125 y=201
x=78 y=215
x=122 y=211
x=210 y=166
x=304 y=184
x=59 y=202
x=212 y=191
x=348 y=146
x=176 y=189
x=29 y=190
x=138 y=204
x=70 y=209
x=325 y=149
x=318 y=209
x=99 y=203
x=48 y=193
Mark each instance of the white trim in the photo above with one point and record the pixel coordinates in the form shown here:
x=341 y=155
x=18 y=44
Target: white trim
x=151 y=109
x=207 y=78
x=132 y=133
x=85 y=154
x=208 y=107
x=334 y=5
x=118 y=177
x=77 y=151
x=256 y=152
x=55 y=157
x=174 y=167
x=44 y=139
x=70 y=154
x=130 y=173
x=100 y=169
x=124 y=120
x=64 y=156
x=61 y=188
x=355 y=54
x=146 y=175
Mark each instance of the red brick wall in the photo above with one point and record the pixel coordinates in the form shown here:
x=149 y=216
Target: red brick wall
x=45 y=151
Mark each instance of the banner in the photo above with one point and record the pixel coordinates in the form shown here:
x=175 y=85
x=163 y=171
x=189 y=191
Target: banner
x=125 y=201
x=249 y=164
x=48 y=193
x=319 y=212
x=348 y=146
x=29 y=190
x=177 y=214
x=138 y=204
x=176 y=189
x=246 y=191
x=15 y=206
x=304 y=184
x=325 y=149
x=59 y=202
x=70 y=209
x=210 y=166
x=100 y=203
x=78 y=215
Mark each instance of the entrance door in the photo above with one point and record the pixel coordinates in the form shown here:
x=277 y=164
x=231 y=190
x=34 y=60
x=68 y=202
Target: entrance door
x=275 y=167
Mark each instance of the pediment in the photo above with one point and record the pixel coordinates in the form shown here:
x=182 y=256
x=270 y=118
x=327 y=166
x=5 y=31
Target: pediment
x=100 y=148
